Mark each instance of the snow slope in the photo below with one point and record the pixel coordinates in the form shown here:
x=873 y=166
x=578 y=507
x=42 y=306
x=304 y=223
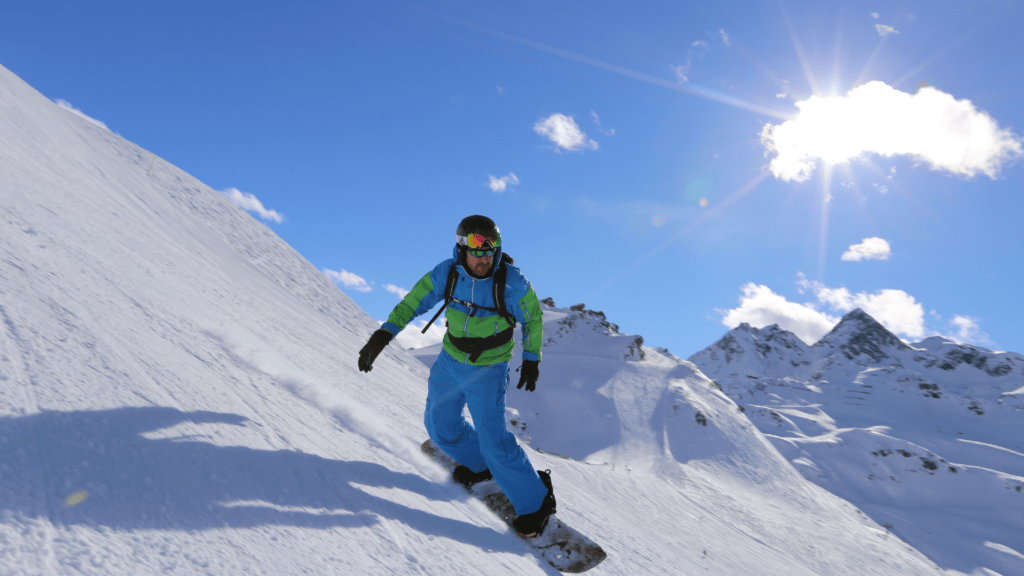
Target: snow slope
x=180 y=395
x=926 y=438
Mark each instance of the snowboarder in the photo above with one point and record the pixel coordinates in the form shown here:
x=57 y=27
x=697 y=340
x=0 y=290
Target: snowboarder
x=485 y=296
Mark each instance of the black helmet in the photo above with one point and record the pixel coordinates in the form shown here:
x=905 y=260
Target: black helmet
x=477 y=233
x=479 y=225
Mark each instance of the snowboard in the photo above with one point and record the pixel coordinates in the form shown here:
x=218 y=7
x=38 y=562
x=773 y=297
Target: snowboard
x=562 y=546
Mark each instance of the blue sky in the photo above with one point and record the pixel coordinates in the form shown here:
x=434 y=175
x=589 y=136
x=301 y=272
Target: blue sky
x=682 y=168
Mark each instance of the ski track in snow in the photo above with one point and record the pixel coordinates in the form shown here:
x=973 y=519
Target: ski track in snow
x=180 y=395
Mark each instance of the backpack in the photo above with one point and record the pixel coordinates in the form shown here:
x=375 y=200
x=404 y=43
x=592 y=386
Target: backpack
x=476 y=346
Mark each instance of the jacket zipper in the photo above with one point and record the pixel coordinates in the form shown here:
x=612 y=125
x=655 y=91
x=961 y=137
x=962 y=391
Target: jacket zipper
x=472 y=290
x=465 y=328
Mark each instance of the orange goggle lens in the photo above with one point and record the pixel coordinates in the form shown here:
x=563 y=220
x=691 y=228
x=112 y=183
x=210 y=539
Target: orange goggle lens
x=479 y=241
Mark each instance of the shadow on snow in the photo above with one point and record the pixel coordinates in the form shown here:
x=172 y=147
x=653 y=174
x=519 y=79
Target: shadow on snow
x=138 y=483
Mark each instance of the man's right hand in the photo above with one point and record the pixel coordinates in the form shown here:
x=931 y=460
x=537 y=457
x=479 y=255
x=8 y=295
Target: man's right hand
x=373 y=348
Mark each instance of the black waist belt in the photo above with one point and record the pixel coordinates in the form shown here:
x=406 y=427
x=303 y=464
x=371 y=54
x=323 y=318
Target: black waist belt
x=477 y=346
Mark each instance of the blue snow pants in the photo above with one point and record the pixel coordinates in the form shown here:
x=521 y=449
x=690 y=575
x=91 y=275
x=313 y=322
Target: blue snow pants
x=486 y=443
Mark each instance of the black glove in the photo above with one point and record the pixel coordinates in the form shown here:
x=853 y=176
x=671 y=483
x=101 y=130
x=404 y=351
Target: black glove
x=528 y=374
x=373 y=348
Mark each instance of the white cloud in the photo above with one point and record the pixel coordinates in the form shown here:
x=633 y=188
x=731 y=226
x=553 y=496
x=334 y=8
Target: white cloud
x=597 y=120
x=681 y=72
x=347 y=279
x=870 y=249
x=67 y=106
x=931 y=126
x=499 y=185
x=564 y=132
x=250 y=203
x=761 y=307
x=898 y=311
x=400 y=292
x=967 y=328
x=884 y=30
x=724 y=35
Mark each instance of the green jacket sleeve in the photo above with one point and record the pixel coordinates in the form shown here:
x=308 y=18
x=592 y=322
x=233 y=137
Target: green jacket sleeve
x=530 y=314
x=418 y=301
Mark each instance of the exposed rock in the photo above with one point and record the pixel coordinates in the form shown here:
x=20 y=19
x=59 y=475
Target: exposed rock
x=858 y=334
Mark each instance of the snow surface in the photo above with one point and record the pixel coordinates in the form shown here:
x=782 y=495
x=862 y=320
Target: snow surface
x=925 y=438
x=180 y=396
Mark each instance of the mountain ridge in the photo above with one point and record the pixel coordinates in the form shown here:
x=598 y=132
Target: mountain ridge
x=914 y=434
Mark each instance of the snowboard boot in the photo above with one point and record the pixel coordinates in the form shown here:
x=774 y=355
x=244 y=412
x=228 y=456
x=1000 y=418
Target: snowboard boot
x=532 y=524
x=467 y=478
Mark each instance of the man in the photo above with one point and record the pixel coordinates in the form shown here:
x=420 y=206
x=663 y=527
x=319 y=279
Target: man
x=472 y=369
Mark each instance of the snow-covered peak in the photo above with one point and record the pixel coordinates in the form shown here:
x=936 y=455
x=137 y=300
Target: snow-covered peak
x=931 y=343
x=914 y=435
x=861 y=338
x=749 y=350
x=946 y=355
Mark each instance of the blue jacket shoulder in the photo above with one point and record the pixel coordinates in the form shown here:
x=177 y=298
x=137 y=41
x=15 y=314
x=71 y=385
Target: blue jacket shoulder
x=516 y=285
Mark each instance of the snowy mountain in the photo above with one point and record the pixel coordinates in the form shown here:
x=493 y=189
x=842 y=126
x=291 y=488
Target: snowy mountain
x=925 y=437
x=180 y=396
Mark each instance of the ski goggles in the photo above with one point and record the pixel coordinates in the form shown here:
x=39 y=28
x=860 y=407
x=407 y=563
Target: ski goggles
x=478 y=241
x=488 y=252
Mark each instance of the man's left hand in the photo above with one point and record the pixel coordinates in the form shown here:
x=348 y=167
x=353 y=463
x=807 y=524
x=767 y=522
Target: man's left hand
x=528 y=374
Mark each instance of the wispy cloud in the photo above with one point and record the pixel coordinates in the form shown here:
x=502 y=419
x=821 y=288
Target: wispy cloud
x=564 y=132
x=966 y=329
x=346 y=279
x=697 y=50
x=67 y=106
x=400 y=292
x=870 y=249
x=681 y=71
x=597 y=120
x=784 y=87
x=950 y=135
x=250 y=203
x=499 y=185
x=884 y=30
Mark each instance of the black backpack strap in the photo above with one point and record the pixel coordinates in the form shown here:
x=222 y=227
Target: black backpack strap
x=500 y=275
x=499 y=278
x=449 y=290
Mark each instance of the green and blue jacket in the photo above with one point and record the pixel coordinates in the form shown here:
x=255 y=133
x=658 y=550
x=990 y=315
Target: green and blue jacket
x=474 y=321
